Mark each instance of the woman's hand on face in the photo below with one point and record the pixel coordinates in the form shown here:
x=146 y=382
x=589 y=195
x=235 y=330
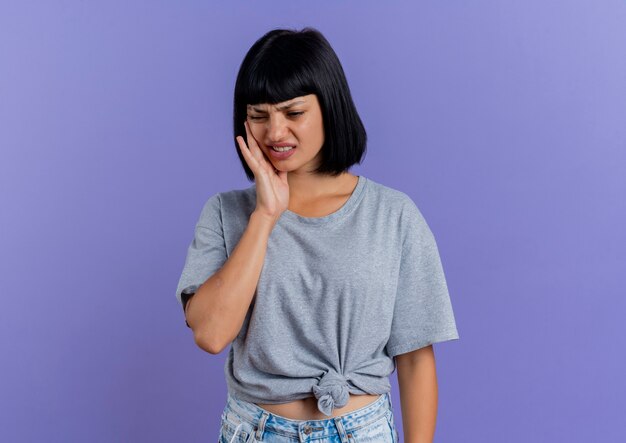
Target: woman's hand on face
x=272 y=188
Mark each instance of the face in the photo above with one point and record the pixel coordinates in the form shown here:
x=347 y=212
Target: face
x=296 y=122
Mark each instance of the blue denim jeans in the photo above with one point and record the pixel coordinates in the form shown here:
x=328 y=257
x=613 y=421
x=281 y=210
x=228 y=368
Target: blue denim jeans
x=245 y=422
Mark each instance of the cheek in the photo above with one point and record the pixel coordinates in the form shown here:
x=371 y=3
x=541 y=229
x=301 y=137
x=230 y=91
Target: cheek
x=319 y=133
x=314 y=130
x=317 y=125
x=257 y=131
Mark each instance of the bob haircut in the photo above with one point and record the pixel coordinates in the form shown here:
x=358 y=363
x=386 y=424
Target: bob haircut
x=284 y=64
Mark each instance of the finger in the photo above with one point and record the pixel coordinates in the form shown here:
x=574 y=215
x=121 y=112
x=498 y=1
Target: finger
x=251 y=139
x=248 y=157
x=258 y=153
x=245 y=150
x=254 y=146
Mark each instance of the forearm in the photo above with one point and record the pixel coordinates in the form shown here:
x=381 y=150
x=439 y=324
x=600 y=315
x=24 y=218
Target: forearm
x=217 y=310
x=417 y=380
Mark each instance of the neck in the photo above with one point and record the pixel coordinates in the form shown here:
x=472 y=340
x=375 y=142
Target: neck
x=306 y=186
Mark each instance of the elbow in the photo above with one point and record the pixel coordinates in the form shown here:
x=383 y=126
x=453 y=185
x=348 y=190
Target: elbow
x=204 y=338
x=208 y=342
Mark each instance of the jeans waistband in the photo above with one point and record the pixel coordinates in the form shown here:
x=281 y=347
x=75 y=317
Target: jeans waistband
x=262 y=419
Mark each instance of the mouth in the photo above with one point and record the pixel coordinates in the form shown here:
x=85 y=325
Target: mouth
x=280 y=148
x=281 y=152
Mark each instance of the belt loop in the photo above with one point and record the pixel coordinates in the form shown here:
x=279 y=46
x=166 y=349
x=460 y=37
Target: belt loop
x=261 y=427
x=342 y=432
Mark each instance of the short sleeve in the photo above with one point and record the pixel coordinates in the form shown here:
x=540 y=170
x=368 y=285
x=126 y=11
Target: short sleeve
x=422 y=312
x=206 y=254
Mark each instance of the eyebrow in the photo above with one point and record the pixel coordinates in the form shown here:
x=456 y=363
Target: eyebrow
x=281 y=107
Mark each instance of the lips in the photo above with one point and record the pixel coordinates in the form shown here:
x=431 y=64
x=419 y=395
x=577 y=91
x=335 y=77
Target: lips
x=278 y=155
x=281 y=145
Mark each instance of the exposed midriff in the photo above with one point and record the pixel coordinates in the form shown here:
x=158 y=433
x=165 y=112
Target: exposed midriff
x=306 y=408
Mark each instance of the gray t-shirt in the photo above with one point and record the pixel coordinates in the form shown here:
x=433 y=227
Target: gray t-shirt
x=338 y=296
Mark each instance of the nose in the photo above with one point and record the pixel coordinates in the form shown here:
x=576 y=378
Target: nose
x=277 y=129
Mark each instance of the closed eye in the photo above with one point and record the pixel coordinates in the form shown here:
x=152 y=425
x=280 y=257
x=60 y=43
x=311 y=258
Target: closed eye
x=291 y=114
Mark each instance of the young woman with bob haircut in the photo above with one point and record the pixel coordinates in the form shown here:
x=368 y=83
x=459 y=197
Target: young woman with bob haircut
x=321 y=283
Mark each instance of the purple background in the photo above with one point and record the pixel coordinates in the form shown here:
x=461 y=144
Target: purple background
x=505 y=122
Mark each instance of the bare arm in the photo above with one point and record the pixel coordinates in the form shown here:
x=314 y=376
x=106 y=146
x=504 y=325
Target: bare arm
x=417 y=380
x=218 y=309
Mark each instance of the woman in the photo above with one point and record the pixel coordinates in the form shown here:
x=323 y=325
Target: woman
x=321 y=282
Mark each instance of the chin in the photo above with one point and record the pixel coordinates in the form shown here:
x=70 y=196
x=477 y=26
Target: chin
x=283 y=167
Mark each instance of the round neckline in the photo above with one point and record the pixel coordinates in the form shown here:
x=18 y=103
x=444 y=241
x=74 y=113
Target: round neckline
x=343 y=210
